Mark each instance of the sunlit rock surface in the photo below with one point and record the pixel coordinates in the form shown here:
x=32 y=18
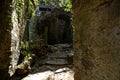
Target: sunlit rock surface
x=60 y=74
x=15 y=40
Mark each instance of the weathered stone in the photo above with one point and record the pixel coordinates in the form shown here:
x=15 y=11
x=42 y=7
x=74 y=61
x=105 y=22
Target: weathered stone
x=61 y=52
x=50 y=67
x=38 y=47
x=96 y=39
x=70 y=57
x=57 y=54
x=64 y=74
x=53 y=26
x=10 y=34
x=53 y=61
x=5 y=38
x=15 y=40
x=60 y=74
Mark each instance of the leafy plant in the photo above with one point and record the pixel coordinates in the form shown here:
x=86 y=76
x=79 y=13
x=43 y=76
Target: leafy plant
x=66 y=4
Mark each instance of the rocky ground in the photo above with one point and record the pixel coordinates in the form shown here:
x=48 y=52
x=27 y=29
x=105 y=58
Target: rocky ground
x=56 y=65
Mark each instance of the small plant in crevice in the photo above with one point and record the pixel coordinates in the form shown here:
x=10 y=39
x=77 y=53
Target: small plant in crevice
x=26 y=59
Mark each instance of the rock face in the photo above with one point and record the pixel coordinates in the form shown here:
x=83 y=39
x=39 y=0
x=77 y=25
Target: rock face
x=10 y=32
x=60 y=74
x=5 y=38
x=15 y=40
x=96 y=39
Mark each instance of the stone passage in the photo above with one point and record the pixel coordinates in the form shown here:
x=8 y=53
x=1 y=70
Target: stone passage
x=56 y=65
x=59 y=55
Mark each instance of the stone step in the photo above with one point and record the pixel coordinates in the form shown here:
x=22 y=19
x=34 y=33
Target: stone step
x=52 y=61
x=58 y=54
x=63 y=45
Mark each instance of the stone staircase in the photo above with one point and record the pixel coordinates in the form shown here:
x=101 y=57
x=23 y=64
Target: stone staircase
x=59 y=55
x=56 y=65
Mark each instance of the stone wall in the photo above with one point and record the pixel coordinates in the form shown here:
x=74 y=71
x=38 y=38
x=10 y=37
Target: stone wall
x=54 y=26
x=96 y=39
x=12 y=27
x=15 y=40
x=5 y=38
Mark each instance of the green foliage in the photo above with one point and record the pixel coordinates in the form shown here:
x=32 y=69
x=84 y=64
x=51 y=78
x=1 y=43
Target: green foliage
x=24 y=48
x=66 y=4
x=27 y=6
x=27 y=55
x=19 y=4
